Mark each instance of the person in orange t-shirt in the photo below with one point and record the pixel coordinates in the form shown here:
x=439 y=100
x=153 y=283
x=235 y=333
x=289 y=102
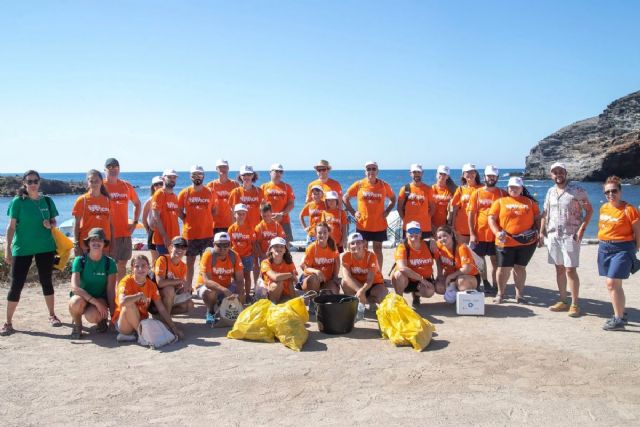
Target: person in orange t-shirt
x=327 y=184
x=165 y=212
x=361 y=274
x=120 y=194
x=91 y=210
x=413 y=272
x=266 y=230
x=243 y=238
x=515 y=221
x=171 y=276
x=619 y=235
x=278 y=273
x=221 y=188
x=248 y=194
x=457 y=270
x=197 y=205
x=481 y=238
x=336 y=218
x=313 y=210
x=134 y=294
x=443 y=191
x=281 y=197
x=469 y=182
x=371 y=216
x=321 y=263
x=415 y=202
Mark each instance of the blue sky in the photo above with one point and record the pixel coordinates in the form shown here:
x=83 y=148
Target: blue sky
x=162 y=84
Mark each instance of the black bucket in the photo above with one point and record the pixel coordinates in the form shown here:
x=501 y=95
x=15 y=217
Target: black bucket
x=336 y=314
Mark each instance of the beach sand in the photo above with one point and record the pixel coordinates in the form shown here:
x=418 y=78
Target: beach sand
x=519 y=364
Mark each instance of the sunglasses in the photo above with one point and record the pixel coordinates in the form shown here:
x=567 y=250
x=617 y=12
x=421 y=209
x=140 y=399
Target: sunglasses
x=112 y=166
x=321 y=169
x=223 y=245
x=372 y=169
x=614 y=191
x=180 y=247
x=32 y=181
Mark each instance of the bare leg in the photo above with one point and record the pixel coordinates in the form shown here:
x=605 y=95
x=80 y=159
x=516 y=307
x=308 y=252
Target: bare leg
x=503 y=276
x=377 y=249
x=122 y=270
x=616 y=293
x=191 y=260
x=519 y=277
x=561 y=280
x=574 y=284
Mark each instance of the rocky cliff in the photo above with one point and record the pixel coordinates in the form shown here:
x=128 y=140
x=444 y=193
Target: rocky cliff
x=596 y=147
x=9 y=186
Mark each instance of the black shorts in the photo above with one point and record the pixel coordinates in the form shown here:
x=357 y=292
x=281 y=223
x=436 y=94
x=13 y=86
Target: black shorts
x=483 y=249
x=413 y=286
x=423 y=236
x=515 y=255
x=368 y=292
x=150 y=245
x=197 y=247
x=373 y=236
x=217 y=230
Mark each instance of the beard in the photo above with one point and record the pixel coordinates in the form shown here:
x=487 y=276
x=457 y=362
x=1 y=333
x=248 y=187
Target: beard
x=196 y=182
x=169 y=184
x=491 y=183
x=560 y=179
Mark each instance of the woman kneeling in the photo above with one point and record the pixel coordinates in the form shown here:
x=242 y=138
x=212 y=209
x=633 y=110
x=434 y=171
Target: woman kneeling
x=278 y=273
x=457 y=270
x=321 y=262
x=361 y=273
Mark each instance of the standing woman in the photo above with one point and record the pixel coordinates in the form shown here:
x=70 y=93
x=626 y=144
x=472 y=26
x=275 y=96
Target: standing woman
x=28 y=236
x=619 y=235
x=469 y=182
x=248 y=194
x=156 y=183
x=443 y=191
x=91 y=210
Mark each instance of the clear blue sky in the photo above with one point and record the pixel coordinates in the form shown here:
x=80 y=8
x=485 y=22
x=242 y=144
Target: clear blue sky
x=162 y=84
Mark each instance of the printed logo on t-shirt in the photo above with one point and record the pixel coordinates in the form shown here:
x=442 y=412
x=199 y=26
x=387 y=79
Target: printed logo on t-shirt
x=249 y=199
x=609 y=218
x=517 y=209
x=371 y=196
x=221 y=271
x=276 y=192
x=222 y=194
x=359 y=270
x=417 y=262
x=325 y=261
x=118 y=197
x=415 y=198
x=198 y=202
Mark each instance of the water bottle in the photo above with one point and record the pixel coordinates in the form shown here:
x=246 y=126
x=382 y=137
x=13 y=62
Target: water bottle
x=360 y=313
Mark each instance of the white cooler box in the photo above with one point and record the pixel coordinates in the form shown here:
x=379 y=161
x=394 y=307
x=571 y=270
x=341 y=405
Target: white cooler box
x=470 y=303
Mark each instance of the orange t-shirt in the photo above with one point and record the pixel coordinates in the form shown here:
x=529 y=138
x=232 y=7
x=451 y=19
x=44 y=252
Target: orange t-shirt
x=515 y=215
x=454 y=262
x=617 y=224
x=252 y=198
x=314 y=211
x=93 y=212
x=167 y=205
x=330 y=185
x=323 y=259
x=480 y=202
x=128 y=286
x=460 y=200
x=173 y=271
x=267 y=231
x=416 y=204
x=279 y=195
x=120 y=194
x=371 y=198
x=359 y=268
x=283 y=267
x=223 y=273
x=441 y=196
x=221 y=191
x=242 y=238
x=336 y=218
x=198 y=220
x=421 y=261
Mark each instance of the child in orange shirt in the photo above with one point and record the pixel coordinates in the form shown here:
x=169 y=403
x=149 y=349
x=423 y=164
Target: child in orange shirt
x=361 y=274
x=336 y=218
x=278 y=273
x=321 y=262
x=266 y=230
x=313 y=210
x=243 y=237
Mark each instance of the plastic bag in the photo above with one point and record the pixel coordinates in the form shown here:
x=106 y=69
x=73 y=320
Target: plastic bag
x=401 y=325
x=154 y=333
x=251 y=324
x=63 y=248
x=230 y=309
x=287 y=323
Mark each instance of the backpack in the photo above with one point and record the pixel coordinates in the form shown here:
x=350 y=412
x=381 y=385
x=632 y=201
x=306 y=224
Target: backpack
x=83 y=262
x=407 y=248
x=214 y=256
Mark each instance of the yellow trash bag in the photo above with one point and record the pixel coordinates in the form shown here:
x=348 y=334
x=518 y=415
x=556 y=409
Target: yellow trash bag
x=287 y=323
x=251 y=323
x=401 y=325
x=64 y=245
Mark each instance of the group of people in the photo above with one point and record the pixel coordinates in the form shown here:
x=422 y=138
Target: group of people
x=241 y=233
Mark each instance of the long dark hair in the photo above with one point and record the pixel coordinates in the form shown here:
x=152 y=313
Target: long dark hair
x=463 y=180
x=447 y=229
x=527 y=194
x=330 y=242
x=22 y=192
x=254 y=179
x=451 y=185
x=287 y=258
x=103 y=189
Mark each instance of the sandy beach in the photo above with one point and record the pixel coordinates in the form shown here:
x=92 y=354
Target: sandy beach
x=519 y=364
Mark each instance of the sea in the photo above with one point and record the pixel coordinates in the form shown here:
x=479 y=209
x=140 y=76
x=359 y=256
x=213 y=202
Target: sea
x=299 y=180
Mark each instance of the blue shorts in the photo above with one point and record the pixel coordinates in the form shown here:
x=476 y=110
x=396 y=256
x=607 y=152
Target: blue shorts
x=615 y=259
x=162 y=250
x=247 y=263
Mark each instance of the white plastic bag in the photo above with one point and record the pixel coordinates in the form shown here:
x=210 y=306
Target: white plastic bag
x=230 y=309
x=154 y=334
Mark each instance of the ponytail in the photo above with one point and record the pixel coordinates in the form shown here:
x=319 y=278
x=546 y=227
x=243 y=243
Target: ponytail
x=103 y=189
x=527 y=194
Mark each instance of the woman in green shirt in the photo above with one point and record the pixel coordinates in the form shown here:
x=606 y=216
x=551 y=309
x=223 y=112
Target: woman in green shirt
x=31 y=217
x=93 y=282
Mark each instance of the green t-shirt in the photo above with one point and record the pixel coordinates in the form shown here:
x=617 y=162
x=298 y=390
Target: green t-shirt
x=94 y=277
x=31 y=237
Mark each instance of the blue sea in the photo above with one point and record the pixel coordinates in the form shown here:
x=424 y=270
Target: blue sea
x=299 y=180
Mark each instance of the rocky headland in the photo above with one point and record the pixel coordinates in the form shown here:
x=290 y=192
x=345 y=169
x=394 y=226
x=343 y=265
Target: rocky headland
x=594 y=148
x=9 y=186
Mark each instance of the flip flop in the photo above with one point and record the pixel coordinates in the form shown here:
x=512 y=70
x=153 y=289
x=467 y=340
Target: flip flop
x=54 y=321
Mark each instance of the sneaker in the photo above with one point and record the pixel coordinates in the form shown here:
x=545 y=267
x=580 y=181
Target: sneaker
x=210 y=318
x=180 y=298
x=416 y=299
x=613 y=324
x=625 y=319
x=126 y=338
x=574 y=310
x=559 y=306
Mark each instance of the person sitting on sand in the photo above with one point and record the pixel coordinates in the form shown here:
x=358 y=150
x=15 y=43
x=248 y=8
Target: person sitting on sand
x=278 y=273
x=321 y=262
x=134 y=294
x=457 y=270
x=361 y=274
x=93 y=283
x=171 y=276
x=413 y=272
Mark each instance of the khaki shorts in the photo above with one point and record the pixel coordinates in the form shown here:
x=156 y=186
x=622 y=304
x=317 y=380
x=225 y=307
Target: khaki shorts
x=123 y=248
x=563 y=250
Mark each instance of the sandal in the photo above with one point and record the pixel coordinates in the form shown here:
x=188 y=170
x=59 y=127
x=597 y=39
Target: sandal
x=54 y=321
x=7 y=329
x=76 y=332
x=498 y=299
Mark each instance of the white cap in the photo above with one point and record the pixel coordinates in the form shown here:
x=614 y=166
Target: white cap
x=246 y=169
x=413 y=224
x=371 y=163
x=156 y=180
x=196 y=168
x=355 y=237
x=491 y=170
x=415 y=167
x=317 y=187
x=276 y=167
x=331 y=195
x=515 y=181
x=221 y=237
x=169 y=172
x=222 y=162
x=468 y=167
x=558 y=165
x=240 y=207
x=444 y=169
x=277 y=241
